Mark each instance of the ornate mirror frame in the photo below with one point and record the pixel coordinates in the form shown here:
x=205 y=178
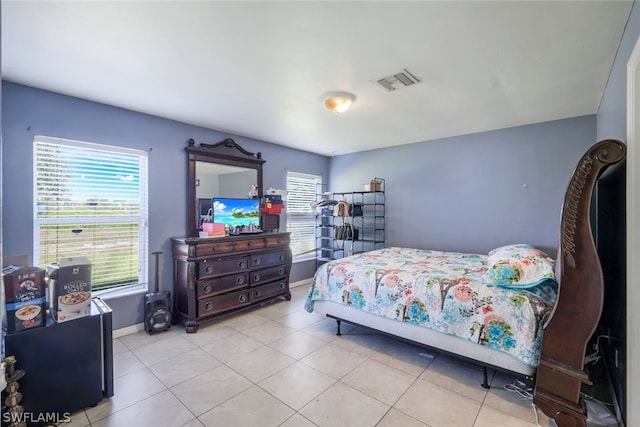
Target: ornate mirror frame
x=225 y=152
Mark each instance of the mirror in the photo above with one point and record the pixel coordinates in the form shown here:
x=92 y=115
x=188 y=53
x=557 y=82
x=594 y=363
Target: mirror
x=224 y=169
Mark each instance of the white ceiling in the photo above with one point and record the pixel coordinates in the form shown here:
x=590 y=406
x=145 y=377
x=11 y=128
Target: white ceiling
x=259 y=69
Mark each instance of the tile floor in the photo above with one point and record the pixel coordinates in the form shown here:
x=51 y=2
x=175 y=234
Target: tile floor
x=281 y=366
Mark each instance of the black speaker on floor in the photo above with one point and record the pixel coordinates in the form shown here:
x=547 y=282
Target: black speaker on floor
x=157 y=311
x=157 y=307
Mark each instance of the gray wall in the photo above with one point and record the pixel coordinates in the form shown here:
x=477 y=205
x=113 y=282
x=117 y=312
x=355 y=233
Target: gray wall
x=612 y=113
x=468 y=193
x=28 y=111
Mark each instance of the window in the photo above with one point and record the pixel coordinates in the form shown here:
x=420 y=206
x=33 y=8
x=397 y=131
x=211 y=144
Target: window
x=91 y=200
x=301 y=192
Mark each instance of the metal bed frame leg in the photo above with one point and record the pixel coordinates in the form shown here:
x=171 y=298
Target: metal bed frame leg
x=338 y=321
x=485 y=380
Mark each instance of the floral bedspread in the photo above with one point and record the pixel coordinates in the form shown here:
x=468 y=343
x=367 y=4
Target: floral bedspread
x=442 y=291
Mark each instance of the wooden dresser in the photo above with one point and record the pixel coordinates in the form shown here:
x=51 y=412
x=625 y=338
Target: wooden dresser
x=222 y=275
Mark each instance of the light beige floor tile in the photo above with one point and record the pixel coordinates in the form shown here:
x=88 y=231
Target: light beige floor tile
x=160 y=410
x=326 y=329
x=193 y=423
x=268 y=332
x=118 y=346
x=297 y=345
x=334 y=360
x=77 y=419
x=511 y=402
x=184 y=367
x=142 y=338
x=298 y=319
x=128 y=389
x=490 y=417
x=341 y=405
x=163 y=350
x=208 y=390
x=243 y=321
x=406 y=357
x=362 y=340
x=297 y=420
x=277 y=309
x=395 y=418
x=253 y=407
x=379 y=381
x=232 y=347
x=259 y=364
x=457 y=375
x=297 y=384
x=437 y=406
x=209 y=334
x=125 y=362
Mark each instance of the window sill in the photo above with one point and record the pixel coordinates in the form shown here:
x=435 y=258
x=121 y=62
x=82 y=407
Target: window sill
x=109 y=294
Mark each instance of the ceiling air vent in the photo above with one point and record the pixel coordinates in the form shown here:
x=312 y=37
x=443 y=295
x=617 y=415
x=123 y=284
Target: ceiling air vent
x=397 y=81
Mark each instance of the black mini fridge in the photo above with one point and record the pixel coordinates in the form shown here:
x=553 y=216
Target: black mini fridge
x=68 y=366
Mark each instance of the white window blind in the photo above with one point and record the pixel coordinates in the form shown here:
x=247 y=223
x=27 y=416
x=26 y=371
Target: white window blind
x=91 y=200
x=301 y=192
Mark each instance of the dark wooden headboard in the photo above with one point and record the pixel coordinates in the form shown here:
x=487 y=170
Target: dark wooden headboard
x=578 y=308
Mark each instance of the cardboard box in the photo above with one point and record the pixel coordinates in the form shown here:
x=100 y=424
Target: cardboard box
x=375 y=185
x=25 y=293
x=70 y=288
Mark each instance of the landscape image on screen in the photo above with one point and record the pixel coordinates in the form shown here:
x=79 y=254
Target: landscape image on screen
x=236 y=212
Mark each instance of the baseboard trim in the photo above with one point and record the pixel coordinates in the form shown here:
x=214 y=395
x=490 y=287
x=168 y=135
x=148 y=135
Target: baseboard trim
x=303 y=282
x=128 y=330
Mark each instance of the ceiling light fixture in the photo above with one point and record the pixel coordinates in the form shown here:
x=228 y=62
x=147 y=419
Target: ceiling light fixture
x=338 y=102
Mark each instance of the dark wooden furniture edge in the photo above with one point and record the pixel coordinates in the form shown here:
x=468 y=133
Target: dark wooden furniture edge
x=223 y=152
x=577 y=311
x=192 y=324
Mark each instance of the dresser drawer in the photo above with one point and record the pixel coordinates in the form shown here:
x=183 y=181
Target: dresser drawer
x=249 y=245
x=222 y=302
x=277 y=241
x=217 y=266
x=214 y=249
x=258 y=277
x=218 y=285
x=268 y=290
x=268 y=258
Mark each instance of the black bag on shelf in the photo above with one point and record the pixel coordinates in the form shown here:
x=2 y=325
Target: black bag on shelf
x=346 y=232
x=355 y=209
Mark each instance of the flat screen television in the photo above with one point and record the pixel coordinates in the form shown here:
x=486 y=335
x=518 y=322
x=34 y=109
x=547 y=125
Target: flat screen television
x=235 y=212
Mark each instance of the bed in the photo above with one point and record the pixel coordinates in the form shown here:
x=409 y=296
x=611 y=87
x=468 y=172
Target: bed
x=513 y=309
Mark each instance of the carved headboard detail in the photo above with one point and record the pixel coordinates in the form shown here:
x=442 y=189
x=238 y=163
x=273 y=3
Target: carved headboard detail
x=580 y=296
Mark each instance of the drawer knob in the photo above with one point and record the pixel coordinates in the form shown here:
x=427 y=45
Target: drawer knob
x=257 y=261
x=256 y=277
x=281 y=257
x=282 y=285
x=250 y=243
x=241 y=264
x=281 y=270
x=208 y=306
x=257 y=293
x=240 y=280
x=206 y=288
x=209 y=269
x=242 y=298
